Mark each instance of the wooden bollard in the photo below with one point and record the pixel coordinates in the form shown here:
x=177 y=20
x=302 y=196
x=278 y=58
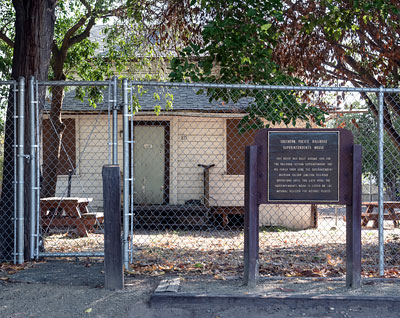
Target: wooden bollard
x=113 y=266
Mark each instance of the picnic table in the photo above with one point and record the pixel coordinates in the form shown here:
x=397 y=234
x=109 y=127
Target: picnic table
x=389 y=212
x=69 y=212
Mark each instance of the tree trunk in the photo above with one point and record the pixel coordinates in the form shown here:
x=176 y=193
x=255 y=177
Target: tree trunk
x=34 y=30
x=390 y=183
x=50 y=166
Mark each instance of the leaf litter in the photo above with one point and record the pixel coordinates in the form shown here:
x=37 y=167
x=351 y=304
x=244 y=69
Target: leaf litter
x=314 y=253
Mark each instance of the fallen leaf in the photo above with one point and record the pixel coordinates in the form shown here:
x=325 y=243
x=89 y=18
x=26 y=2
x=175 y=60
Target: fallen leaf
x=88 y=310
x=286 y=290
x=220 y=277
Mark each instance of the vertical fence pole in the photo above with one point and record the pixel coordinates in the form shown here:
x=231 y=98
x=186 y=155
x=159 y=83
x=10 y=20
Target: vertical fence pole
x=251 y=228
x=131 y=178
x=20 y=172
x=125 y=170
x=115 y=122
x=15 y=188
x=380 y=186
x=113 y=268
x=37 y=164
x=32 y=130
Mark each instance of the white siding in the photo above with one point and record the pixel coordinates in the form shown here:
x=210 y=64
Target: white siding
x=193 y=141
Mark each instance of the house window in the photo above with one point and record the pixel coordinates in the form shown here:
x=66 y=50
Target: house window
x=235 y=146
x=67 y=159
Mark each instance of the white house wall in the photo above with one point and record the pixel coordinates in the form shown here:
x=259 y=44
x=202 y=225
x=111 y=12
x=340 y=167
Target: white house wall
x=193 y=141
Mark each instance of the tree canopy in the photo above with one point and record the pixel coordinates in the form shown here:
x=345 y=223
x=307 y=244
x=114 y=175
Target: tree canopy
x=236 y=45
x=345 y=42
x=36 y=34
x=327 y=42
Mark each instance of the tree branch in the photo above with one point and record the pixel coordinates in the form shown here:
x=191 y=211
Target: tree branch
x=85 y=34
x=6 y=39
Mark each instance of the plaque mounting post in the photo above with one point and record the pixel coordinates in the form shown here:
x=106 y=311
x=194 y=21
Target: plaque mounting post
x=353 y=226
x=251 y=219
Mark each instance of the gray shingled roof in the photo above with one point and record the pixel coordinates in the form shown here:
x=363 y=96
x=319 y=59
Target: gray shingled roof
x=184 y=99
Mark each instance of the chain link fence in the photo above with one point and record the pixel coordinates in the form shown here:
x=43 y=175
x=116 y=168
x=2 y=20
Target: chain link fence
x=187 y=201
x=181 y=152
x=8 y=160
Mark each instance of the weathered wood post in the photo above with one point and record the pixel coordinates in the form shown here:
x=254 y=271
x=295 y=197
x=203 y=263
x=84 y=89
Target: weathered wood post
x=353 y=225
x=251 y=219
x=113 y=267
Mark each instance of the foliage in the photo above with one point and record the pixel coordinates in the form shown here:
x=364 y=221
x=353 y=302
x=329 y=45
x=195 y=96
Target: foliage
x=6 y=32
x=365 y=131
x=345 y=42
x=237 y=45
x=352 y=41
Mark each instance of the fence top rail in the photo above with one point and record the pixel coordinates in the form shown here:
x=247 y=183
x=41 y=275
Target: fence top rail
x=74 y=83
x=268 y=87
x=7 y=83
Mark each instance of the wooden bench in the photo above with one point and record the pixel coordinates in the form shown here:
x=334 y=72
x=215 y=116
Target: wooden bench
x=69 y=212
x=224 y=211
x=388 y=210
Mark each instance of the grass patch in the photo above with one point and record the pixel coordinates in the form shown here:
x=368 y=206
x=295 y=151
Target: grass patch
x=279 y=229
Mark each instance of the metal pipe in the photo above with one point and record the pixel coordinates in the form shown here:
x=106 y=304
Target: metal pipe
x=226 y=86
x=10 y=83
x=380 y=185
x=15 y=170
x=108 y=123
x=131 y=176
x=20 y=164
x=32 y=167
x=73 y=83
x=115 y=122
x=267 y=87
x=38 y=125
x=125 y=171
x=77 y=254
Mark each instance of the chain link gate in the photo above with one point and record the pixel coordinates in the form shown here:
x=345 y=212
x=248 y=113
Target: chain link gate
x=73 y=137
x=183 y=194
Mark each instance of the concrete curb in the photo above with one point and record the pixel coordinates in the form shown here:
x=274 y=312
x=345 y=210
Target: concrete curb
x=167 y=299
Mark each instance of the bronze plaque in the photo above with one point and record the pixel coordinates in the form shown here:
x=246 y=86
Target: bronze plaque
x=303 y=166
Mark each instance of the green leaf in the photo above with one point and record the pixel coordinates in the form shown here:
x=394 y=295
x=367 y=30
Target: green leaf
x=266 y=27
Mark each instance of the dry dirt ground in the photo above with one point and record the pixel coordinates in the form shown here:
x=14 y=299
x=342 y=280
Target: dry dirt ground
x=75 y=289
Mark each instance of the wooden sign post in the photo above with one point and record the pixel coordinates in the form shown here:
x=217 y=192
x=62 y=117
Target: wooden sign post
x=113 y=266
x=303 y=166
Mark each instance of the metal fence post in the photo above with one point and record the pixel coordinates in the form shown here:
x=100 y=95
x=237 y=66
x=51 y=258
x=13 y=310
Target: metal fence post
x=115 y=122
x=15 y=88
x=125 y=171
x=32 y=130
x=20 y=172
x=380 y=184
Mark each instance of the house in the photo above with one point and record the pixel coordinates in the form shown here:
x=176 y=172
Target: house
x=191 y=155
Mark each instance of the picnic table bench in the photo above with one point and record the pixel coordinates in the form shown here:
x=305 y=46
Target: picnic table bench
x=69 y=212
x=388 y=210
